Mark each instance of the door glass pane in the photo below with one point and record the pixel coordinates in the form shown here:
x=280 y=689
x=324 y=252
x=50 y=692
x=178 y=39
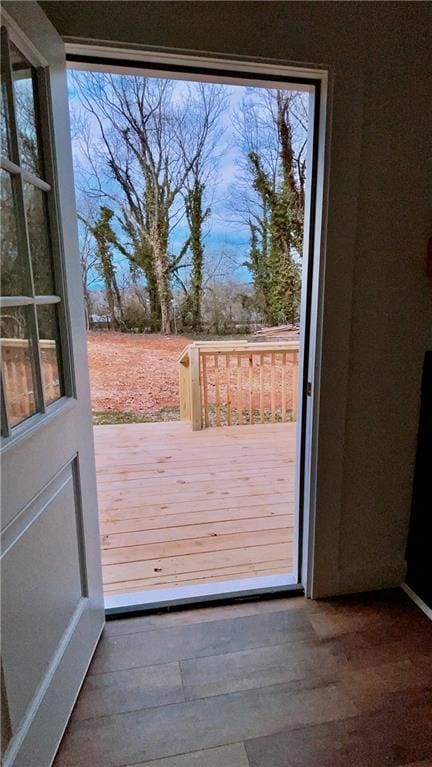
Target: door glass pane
x=23 y=75
x=40 y=246
x=12 y=264
x=50 y=352
x=4 y=140
x=17 y=365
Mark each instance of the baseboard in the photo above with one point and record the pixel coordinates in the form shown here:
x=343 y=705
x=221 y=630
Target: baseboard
x=358 y=580
x=417 y=600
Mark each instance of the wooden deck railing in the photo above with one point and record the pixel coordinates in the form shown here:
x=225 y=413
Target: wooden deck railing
x=17 y=374
x=238 y=382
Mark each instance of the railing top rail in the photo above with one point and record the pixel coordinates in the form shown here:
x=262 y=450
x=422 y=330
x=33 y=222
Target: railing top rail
x=284 y=346
x=224 y=347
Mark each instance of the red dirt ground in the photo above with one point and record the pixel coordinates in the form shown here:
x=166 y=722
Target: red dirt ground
x=134 y=372
x=137 y=374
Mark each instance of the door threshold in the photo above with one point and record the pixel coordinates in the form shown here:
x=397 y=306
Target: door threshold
x=200 y=593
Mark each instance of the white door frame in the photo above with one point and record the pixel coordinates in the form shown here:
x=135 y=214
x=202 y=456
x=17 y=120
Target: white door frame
x=245 y=71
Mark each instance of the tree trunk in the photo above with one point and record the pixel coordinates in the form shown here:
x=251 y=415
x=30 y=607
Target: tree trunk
x=108 y=280
x=196 y=219
x=87 y=306
x=155 y=309
x=163 y=286
x=143 y=258
x=118 y=297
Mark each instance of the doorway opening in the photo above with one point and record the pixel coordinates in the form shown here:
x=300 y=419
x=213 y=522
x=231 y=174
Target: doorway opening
x=193 y=188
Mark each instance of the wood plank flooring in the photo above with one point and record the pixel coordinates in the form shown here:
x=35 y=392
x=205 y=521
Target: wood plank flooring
x=277 y=683
x=179 y=507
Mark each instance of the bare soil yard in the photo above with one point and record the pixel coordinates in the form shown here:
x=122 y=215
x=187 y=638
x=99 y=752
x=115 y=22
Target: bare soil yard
x=135 y=378
x=134 y=373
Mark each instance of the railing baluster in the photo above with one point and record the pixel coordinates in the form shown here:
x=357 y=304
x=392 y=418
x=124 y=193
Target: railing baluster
x=283 y=386
x=205 y=389
x=251 y=388
x=239 y=390
x=217 y=389
x=228 y=375
x=261 y=387
x=272 y=357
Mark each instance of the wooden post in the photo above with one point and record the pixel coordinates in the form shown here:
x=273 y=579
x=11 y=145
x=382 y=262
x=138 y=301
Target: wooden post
x=195 y=388
x=294 y=385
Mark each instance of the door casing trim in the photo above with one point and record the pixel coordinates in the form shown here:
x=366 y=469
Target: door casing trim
x=318 y=81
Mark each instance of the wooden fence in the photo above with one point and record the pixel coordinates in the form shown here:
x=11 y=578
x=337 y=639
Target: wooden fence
x=238 y=382
x=18 y=377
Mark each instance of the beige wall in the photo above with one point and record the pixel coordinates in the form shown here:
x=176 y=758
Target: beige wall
x=377 y=312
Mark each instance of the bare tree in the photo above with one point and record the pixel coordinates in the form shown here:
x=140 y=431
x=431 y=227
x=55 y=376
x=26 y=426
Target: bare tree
x=206 y=109
x=145 y=142
x=87 y=210
x=269 y=196
x=88 y=259
x=105 y=239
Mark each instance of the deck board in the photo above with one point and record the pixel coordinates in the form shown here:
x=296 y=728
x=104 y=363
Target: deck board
x=179 y=507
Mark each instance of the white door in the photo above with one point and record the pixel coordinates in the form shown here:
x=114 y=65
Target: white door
x=52 y=602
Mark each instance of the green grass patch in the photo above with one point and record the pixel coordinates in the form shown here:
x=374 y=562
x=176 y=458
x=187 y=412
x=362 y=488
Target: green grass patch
x=110 y=417
x=172 y=413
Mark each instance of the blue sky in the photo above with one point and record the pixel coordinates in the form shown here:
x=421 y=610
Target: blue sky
x=223 y=233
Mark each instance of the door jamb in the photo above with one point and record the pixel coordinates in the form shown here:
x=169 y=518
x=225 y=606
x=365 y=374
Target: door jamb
x=248 y=71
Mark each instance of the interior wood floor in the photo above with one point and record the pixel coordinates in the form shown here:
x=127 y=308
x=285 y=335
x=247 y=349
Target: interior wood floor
x=277 y=683
x=180 y=507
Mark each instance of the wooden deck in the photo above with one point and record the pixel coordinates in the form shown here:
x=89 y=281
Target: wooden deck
x=179 y=507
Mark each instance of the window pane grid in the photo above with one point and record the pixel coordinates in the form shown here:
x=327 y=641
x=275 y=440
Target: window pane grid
x=36 y=212
x=10 y=106
x=49 y=349
x=16 y=170
x=5 y=146
x=33 y=366
x=13 y=265
x=28 y=300
x=25 y=97
x=19 y=371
